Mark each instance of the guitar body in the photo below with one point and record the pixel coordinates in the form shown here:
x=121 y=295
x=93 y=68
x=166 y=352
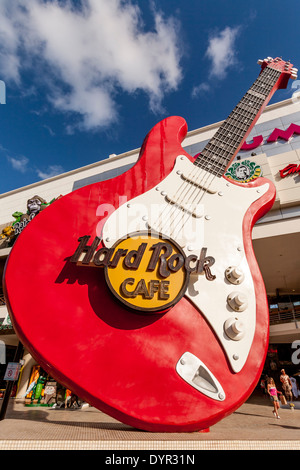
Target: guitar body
x=129 y=364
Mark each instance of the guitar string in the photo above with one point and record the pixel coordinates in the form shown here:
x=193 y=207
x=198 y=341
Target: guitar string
x=199 y=194
x=270 y=75
x=194 y=184
x=191 y=187
x=191 y=184
x=188 y=185
x=194 y=187
x=185 y=187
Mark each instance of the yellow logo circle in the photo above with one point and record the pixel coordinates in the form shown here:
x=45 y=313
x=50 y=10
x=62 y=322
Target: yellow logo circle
x=147 y=273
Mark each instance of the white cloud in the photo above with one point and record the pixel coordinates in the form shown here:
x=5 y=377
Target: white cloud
x=87 y=54
x=48 y=128
x=52 y=170
x=201 y=88
x=221 y=52
x=19 y=164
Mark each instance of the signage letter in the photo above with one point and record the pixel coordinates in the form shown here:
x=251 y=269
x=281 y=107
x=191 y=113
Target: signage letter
x=286 y=135
x=155 y=257
x=133 y=258
x=84 y=248
x=289 y=170
x=256 y=142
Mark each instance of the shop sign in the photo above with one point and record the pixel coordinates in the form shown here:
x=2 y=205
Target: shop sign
x=12 y=371
x=143 y=271
x=244 y=171
x=290 y=169
x=274 y=136
x=34 y=205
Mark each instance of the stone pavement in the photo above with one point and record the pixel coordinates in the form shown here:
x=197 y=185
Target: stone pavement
x=251 y=427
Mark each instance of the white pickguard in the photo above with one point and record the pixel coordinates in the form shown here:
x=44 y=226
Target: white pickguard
x=198 y=210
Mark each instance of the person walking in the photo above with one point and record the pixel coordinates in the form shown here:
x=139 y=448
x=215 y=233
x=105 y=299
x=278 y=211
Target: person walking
x=272 y=391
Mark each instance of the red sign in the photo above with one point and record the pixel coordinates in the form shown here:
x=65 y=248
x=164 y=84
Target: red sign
x=276 y=134
x=290 y=169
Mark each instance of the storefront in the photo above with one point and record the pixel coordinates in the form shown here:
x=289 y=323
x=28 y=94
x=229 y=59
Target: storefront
x=272 y=150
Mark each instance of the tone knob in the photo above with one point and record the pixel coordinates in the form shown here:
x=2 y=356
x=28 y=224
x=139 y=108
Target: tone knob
x=234 y=329
x=237 y=301
x=234 y=275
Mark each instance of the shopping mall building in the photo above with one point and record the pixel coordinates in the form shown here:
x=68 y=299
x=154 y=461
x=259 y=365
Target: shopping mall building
x=272 y=150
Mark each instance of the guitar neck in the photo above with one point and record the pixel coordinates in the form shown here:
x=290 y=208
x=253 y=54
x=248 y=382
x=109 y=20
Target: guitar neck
x=227 y=141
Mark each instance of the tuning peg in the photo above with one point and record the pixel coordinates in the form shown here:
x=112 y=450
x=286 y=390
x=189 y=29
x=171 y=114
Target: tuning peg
x=260 y=61
x=294 y=76
x=269 y=59
x=294 y=70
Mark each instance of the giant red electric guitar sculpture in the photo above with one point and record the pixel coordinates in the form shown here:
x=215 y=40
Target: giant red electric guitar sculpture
x=142 y=293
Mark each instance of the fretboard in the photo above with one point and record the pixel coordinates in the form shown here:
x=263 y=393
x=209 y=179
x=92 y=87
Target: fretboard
x=227 y=141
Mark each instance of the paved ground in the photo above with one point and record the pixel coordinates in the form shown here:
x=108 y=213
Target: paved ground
x=252 y=426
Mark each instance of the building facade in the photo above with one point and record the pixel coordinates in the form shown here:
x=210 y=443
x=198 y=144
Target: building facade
x=272 y=150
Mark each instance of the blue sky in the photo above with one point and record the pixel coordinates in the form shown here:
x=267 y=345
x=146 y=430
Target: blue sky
x=88 y=78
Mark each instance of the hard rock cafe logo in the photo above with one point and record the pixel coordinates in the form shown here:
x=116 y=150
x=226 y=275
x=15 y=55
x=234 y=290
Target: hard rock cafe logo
x=244 y=171
x=144 y=271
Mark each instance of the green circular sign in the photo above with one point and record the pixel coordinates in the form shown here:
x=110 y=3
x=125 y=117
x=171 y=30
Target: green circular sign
x=244 y=171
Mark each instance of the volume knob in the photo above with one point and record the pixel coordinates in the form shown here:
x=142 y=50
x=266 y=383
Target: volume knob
x=234 y=329
x=234 y=275
x=237 y=301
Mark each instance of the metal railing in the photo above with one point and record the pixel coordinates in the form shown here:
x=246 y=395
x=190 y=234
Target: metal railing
x=286 y=316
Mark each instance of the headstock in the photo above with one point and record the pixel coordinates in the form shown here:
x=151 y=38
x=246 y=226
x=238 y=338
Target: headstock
x=285 y=67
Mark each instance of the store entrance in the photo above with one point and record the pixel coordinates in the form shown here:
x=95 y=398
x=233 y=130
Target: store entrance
x=44 y=391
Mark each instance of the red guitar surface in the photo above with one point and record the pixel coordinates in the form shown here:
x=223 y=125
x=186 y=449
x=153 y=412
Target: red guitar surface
x=120 y=361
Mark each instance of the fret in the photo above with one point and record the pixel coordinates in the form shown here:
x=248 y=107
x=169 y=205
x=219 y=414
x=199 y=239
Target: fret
x=216 y=150
x=256 y=94
x=217 y=163
x=210 y=167
x=247 y=109
x=235 y=128
x=256 y=99
x=227 y=147
x=251 y=102
x=219 y=151
x=229 y=127
x=241 y=118
x=219 y=159
x=262 y=89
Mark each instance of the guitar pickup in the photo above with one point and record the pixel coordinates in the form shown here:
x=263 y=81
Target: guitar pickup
x=195 y=373
x=205 y=181
x=197 y=210
x=195 y=175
